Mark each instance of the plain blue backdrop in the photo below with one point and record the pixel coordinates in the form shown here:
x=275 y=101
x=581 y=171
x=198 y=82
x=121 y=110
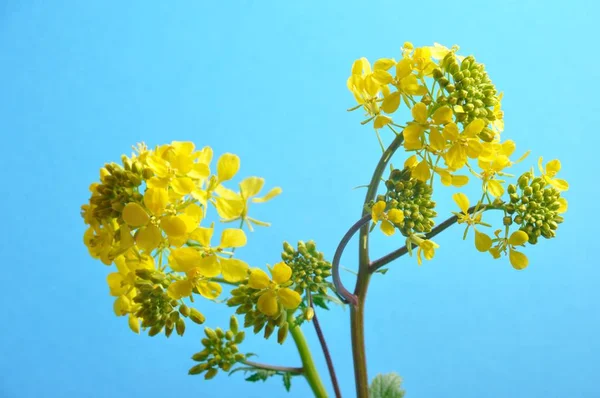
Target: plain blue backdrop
x=82 y=81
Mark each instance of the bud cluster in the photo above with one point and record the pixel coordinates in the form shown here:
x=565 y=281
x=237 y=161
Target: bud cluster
x=413 y=198
x=469 y=89
x=157 y=310
x=220 y=350
x=118 y=187
x=309 y=268
x=534 y=205
x=246 y=299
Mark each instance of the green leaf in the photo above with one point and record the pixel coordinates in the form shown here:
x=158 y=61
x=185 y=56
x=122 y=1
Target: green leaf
x=287 y=381
x=319 y=301
x=261 y=374
x=386 y=386
x=382 y=271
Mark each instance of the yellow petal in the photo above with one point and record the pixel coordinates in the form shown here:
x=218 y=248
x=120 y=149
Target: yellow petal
x=384 y=64
x=381 y=121
x=403 y=68
x=450 y=132
x=270 y=195
x=281 y=273
x=422 y=172
x=233 y=269
x=474 y=128
x=134 y=324
x=495 y=188
x=382 y=77
x=377 y=210
x=227 y=166
x=209 y=266
x=135 y=215
x=116 y=284
x=517 y=259
x=122 y=305
x=174 y=226
x=459 y=181
x=232 y=237
x=289 y=298
x=483 y=242
x=419 y=112
x=202 y=235
x=180 y=289
x=156 y=200
x=553 y=167
x=229 y=208
x=387 y=228
x=563 y=205
x=518 y=238
x=391 y=102
x=436 y=140
x=258 y=279
x=148 y=238
x=267 y=303
x=442 y=115
x=474 y=149
x=456 y=157
x=411 y=161
x=462 y=201
x=182 y=185
x=184 y=259
x=199 y=171
x=251 y=186
x=396 y=216
x=210 y=290
x=559 y=184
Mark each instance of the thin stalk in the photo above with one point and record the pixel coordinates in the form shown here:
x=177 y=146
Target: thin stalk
x=276 y=368
x=388 y=258
x=362 y=282
x=326 y=354
x=309 y=370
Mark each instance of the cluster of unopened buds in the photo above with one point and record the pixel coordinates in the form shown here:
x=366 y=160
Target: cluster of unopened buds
x=151 y=216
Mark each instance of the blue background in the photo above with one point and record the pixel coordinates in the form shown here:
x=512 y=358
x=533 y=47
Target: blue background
x=83 y=81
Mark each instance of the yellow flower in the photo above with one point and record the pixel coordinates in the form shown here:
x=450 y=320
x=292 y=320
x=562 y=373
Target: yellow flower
x=365 y=84
x=121 y=285
x=275 y=292
x=517 y=259
x=493 y=159
x=464 y=145
x=552 y=168
x=483 y=242
x=204 y=262
x=179 y=167
x=426 y=247
x=233 y=206
x=388 y=220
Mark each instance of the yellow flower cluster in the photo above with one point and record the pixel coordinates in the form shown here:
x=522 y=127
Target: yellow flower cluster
x=145 y=217
x=455 y=123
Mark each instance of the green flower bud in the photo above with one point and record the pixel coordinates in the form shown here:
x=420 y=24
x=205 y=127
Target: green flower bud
x=210 y=374
x=196 y=316
x=198 y=369
x=282 y=333
x=180 y=326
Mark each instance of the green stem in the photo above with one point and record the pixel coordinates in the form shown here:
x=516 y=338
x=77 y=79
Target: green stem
x=361 y=377
x=309 y=369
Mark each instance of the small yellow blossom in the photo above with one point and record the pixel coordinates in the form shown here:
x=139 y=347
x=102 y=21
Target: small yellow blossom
x=274 y=292
x=388 y=220
x=548 y=173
